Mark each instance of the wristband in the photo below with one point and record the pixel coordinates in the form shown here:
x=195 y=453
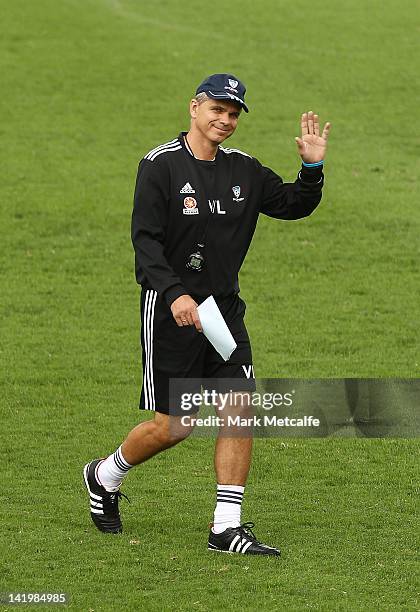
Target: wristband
x=320 y=163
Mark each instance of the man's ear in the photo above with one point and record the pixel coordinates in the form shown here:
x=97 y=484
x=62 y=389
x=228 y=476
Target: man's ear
x=193 y=108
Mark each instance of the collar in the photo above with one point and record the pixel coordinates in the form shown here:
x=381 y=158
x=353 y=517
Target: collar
x=183 y=139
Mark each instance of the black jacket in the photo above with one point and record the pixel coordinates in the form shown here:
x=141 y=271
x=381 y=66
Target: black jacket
x=179 y=198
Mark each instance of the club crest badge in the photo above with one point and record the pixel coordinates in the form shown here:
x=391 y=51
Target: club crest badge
x=190 y=206
x=232 y=85
x=237 y=192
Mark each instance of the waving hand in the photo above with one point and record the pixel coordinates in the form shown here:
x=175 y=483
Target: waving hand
x=311 y=146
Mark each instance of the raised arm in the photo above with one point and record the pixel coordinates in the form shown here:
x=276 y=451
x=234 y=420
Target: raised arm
x=299 y=199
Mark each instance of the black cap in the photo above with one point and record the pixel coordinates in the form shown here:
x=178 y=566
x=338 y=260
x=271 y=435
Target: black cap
x=224 y=87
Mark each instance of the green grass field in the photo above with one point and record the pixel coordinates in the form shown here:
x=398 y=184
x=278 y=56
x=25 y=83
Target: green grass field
x=88 y=88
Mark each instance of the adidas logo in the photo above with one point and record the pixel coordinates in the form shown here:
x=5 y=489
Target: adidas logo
x=187 y=189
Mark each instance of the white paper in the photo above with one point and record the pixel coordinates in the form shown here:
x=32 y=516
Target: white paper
x=215 y=328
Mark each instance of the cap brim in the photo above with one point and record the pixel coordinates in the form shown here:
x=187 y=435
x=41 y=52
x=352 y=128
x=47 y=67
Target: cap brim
x=225 y=95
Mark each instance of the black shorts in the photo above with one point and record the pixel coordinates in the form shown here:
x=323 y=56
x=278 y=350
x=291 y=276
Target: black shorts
x=173 y=352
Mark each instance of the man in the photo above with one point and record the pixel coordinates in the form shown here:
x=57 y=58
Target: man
x=196 y=206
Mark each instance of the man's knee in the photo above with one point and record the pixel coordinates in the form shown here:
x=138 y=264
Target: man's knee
x=236 y=416
x=236 y=404
x=170 y=429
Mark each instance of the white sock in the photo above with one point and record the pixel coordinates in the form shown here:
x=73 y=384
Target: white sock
x=111 y=471
x=228 y=507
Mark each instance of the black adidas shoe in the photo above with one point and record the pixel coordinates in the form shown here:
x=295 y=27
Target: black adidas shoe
x=103 y=504
x=240 y=540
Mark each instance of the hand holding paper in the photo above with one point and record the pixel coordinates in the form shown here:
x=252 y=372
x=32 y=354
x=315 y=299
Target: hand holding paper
x=215 y=328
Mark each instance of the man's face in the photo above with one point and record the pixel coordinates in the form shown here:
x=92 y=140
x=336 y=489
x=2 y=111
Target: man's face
x=215 y=119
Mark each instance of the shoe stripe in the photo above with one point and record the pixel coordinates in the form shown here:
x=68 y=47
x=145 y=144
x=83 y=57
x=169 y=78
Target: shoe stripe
x=96 y=511
x=234 y=541
x=94 y=504
x=245 y=548
x=212 y=545
x=93 y=496
x=241 y=543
